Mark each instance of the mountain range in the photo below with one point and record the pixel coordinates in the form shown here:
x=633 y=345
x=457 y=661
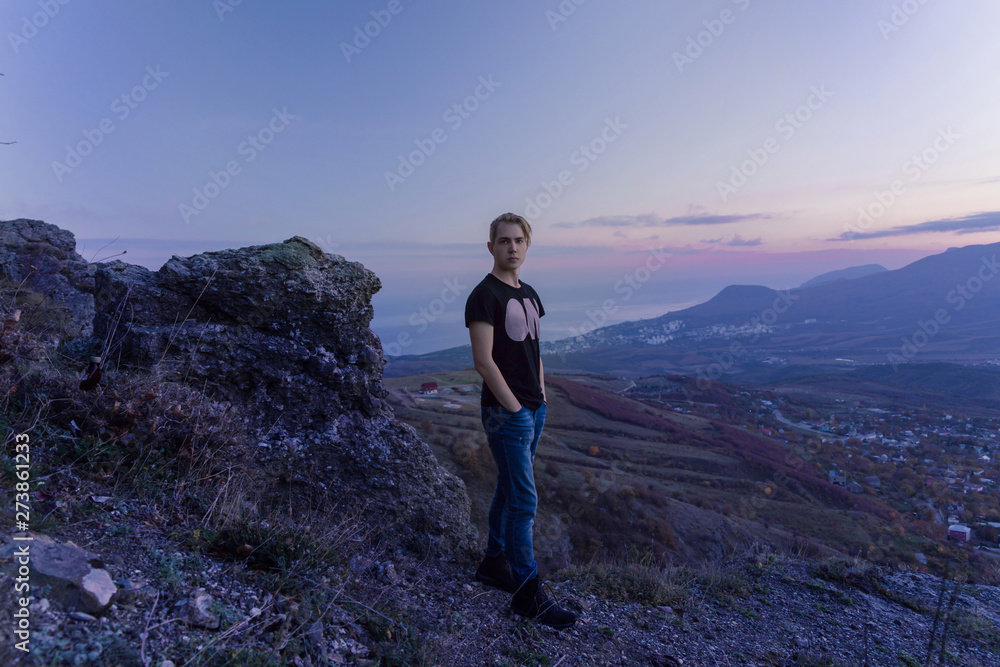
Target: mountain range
x=942 y=308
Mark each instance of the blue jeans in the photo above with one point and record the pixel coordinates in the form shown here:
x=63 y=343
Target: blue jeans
x=513 y=439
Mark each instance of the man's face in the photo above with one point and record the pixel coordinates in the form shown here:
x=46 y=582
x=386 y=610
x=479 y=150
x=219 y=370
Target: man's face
x=510 y=246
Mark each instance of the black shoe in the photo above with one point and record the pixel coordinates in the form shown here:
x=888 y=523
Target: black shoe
x=494 y=571
x=531 y=601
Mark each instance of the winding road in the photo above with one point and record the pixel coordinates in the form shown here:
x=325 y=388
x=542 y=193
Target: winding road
x=777 y=415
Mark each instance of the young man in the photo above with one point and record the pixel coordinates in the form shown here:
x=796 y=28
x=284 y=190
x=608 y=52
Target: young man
x=502 y=314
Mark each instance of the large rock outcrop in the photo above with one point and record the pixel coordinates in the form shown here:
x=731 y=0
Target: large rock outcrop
x=281 y=331
x=43 y=258
x=282 y=327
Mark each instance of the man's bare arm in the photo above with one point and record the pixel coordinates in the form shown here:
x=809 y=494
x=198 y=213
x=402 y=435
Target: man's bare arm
x=481 y=334
x=541 y=377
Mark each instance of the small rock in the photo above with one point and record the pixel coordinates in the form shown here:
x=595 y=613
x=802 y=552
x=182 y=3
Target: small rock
x=99 y=590
x=134 y=590
x=77 y=577
x=388 y=572
x=197 y=611
x=80 y=616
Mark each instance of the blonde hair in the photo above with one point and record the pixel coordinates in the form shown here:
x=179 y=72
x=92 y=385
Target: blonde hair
x=514 y=218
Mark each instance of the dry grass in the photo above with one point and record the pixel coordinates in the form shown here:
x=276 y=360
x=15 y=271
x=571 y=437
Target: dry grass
x=632 y=578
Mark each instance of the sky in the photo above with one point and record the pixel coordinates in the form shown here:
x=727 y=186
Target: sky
x=661 y=150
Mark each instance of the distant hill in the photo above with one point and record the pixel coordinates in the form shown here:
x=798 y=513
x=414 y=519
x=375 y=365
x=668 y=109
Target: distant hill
x=451 y=359
x=900 y=297
x=845 y=274
x=731 y=303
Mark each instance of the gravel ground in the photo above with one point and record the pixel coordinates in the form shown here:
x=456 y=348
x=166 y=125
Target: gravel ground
x=376 y=608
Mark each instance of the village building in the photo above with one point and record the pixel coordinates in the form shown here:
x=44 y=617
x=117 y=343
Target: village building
x=960 y=532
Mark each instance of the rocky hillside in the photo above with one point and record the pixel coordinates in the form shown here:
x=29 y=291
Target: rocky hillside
x=230 y=487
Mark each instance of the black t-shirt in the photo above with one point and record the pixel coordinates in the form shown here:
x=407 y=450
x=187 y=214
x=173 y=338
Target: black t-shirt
x=514 y=314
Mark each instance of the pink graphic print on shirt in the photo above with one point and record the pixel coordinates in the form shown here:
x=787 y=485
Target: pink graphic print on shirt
x=521 y=321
